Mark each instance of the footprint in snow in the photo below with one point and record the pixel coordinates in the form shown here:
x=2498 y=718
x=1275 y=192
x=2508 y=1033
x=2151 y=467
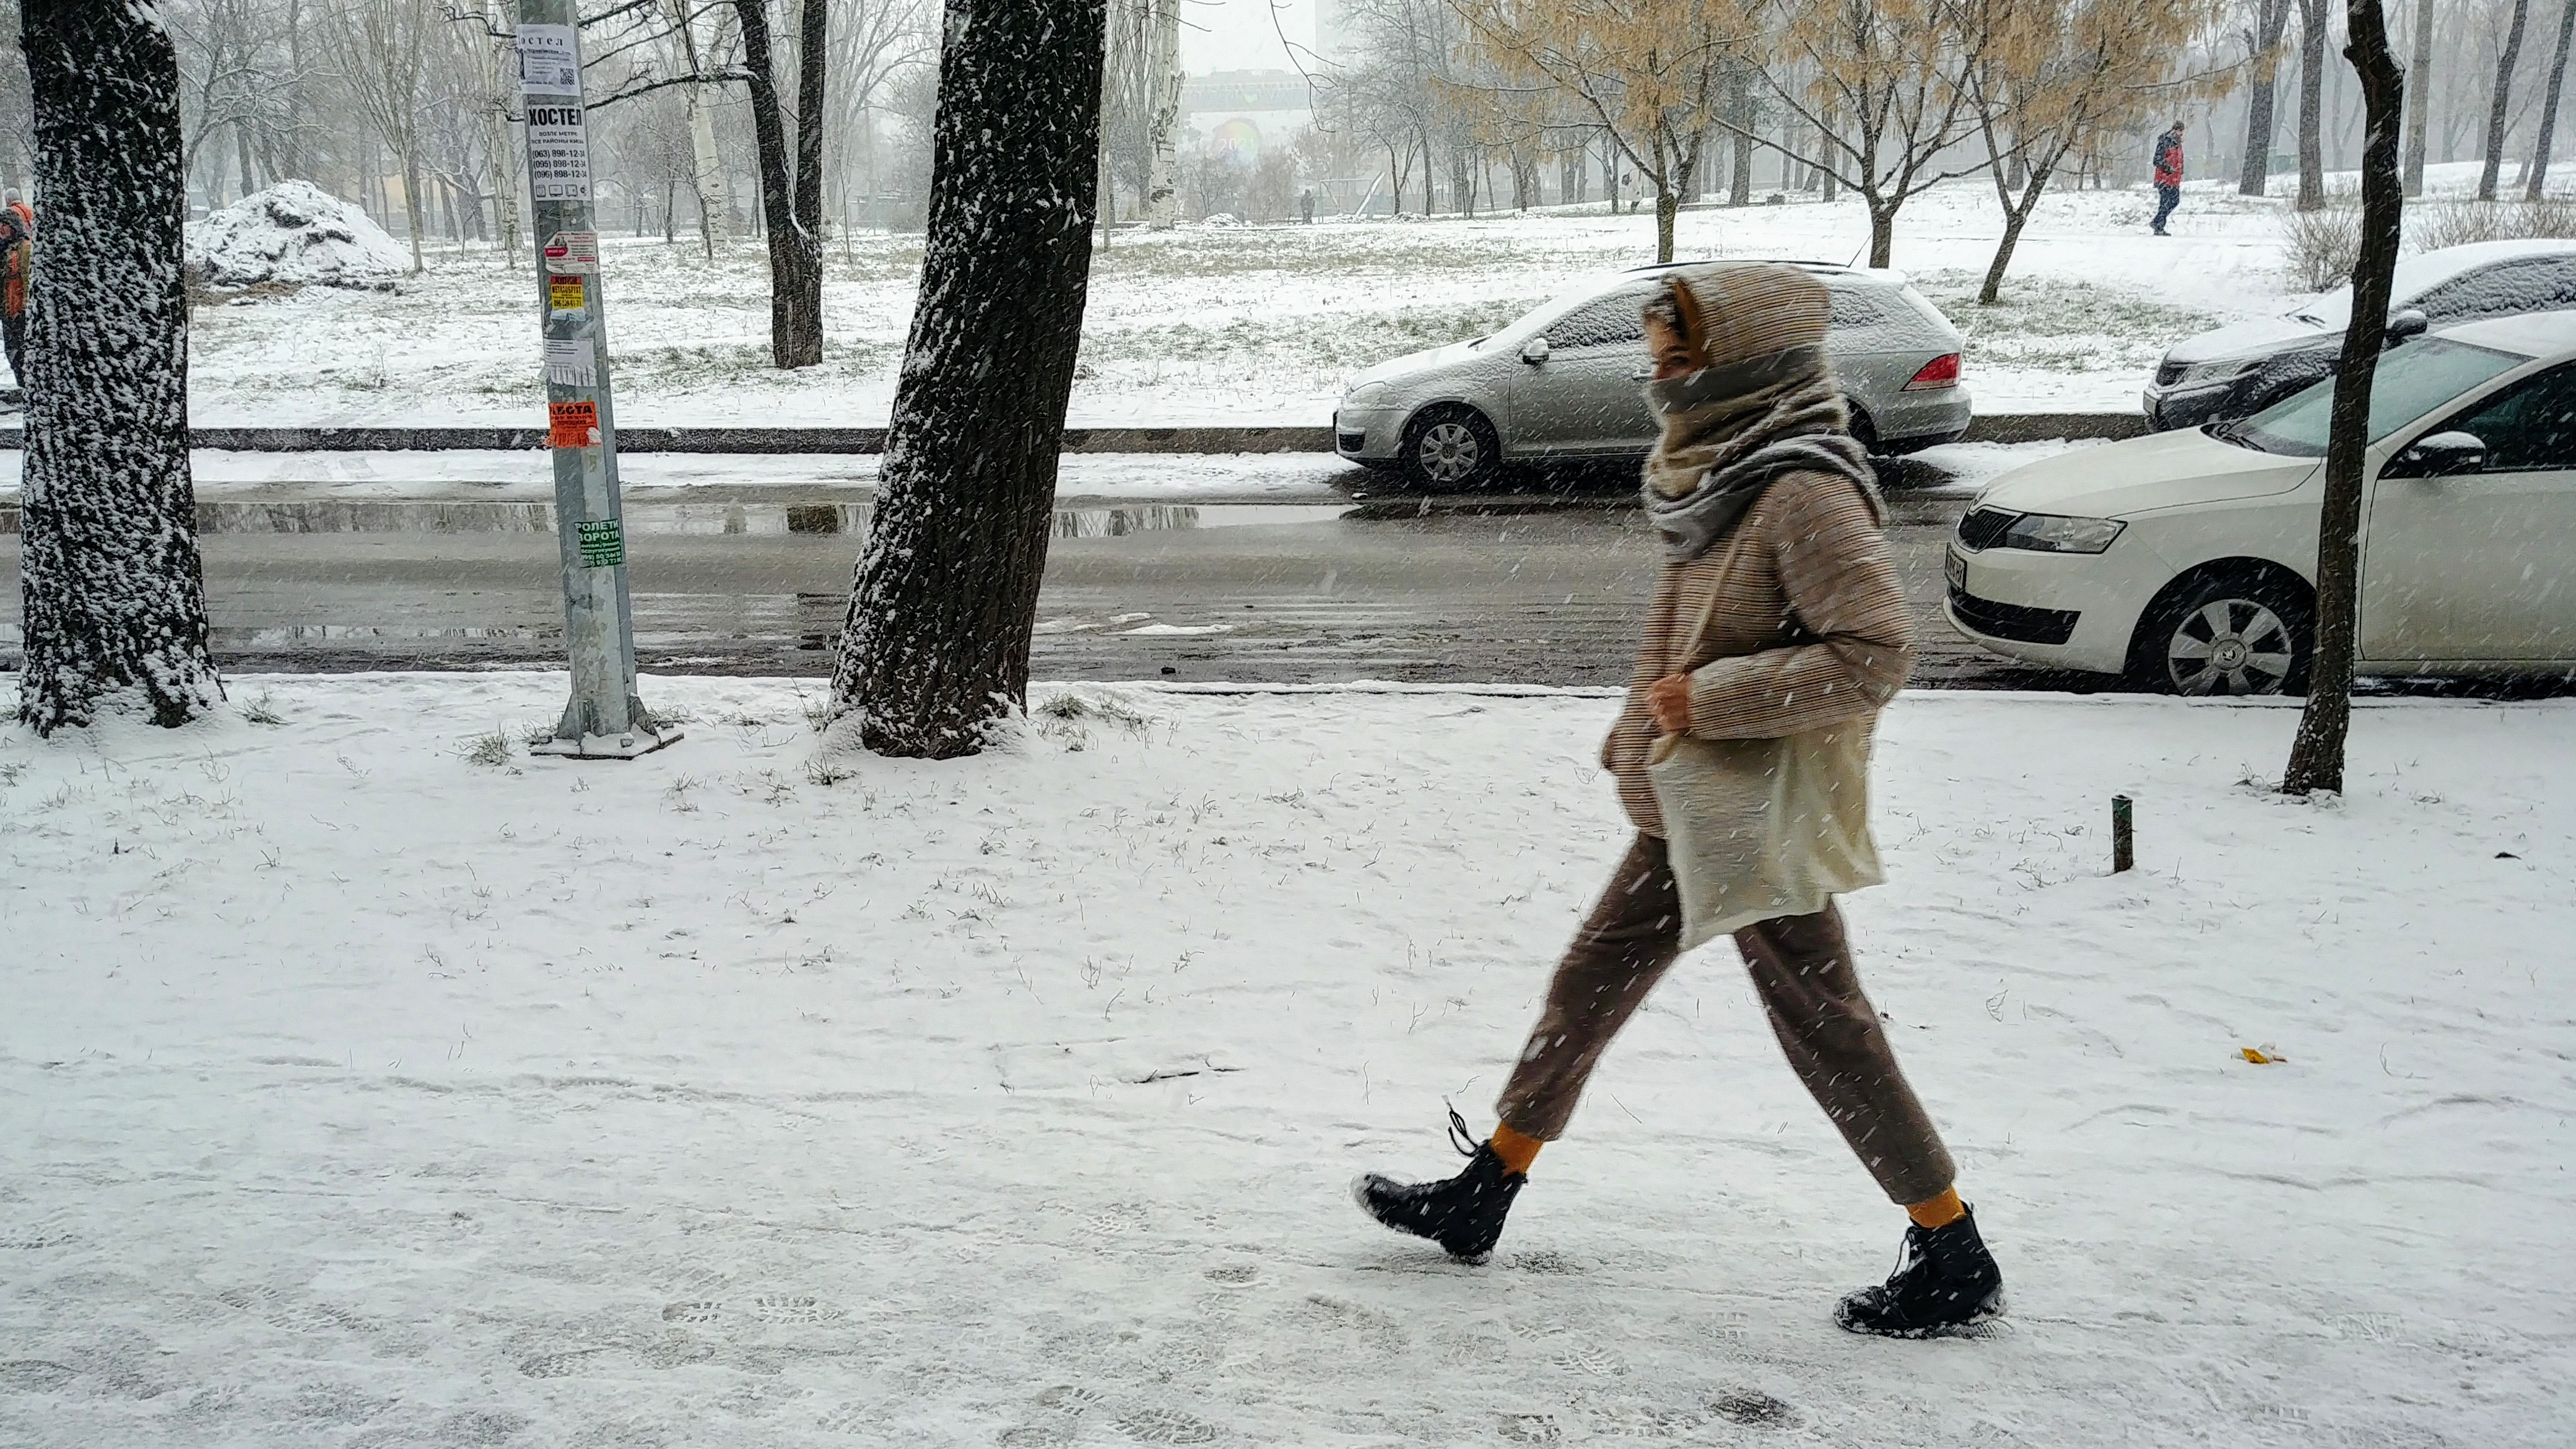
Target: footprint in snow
x=793 y=1308
x=35 y=1376
x=1753 y=1407
x=1166 y=1426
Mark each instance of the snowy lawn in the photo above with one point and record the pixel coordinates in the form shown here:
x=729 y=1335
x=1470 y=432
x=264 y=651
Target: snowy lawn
x=364 y=1082
x=1238 y=325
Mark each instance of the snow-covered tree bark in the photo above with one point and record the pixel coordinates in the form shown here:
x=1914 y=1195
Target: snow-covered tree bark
x=114 y=597
x=937 y=642
x=2317 y=751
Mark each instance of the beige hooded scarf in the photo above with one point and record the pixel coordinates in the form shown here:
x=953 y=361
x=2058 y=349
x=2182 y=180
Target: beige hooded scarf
x=1758 y=402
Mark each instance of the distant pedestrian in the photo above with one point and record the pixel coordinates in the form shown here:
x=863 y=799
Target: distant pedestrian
x=2168 y=177
x=1306 y=206
x=1777 y=631
x=17 y=262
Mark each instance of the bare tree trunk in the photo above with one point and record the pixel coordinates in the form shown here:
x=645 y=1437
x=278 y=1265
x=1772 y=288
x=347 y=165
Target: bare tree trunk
x=795 y=252
x=2419 y=95
x=2317 y=753
x=2496 y=118
x=2255 y=175
x=706 y=168
x=1163 y=120
x=1739 y=107
x=937 y=643
x=2539 y=177
x=113 y=593
x=1668 y=206
x=2312 y=80
x=1882 y=233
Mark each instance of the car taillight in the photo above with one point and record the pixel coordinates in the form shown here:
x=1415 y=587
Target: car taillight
x=1942 y=371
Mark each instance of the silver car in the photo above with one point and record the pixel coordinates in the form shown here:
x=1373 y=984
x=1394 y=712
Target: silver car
x=2240 y=369
x=1567 y=381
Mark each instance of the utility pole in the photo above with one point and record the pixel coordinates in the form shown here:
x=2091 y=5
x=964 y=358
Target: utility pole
x=605 y=718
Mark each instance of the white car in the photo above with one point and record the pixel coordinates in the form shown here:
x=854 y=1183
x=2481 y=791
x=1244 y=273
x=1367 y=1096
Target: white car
x=2187 y=560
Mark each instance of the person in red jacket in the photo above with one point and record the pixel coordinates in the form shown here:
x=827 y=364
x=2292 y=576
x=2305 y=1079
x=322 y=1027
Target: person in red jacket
x=17 y=256
x=2168 y=177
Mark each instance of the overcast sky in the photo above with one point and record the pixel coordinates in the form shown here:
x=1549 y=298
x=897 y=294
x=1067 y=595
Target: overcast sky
x=1241 y=35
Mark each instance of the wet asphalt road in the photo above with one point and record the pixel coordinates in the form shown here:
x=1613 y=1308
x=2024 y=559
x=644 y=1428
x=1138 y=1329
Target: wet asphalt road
x=1398 y=587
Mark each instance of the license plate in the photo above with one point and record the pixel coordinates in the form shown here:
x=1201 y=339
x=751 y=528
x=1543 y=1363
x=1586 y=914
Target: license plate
x=1955 y=569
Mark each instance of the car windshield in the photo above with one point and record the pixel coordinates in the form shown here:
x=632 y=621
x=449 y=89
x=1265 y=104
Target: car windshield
x=2411 y=381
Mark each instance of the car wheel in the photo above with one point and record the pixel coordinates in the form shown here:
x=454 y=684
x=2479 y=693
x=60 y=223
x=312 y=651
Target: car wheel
x=1863 y=431
x=2230 y=633
x=1451 y=448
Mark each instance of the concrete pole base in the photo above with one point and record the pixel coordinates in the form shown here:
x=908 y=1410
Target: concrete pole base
x=625 y=745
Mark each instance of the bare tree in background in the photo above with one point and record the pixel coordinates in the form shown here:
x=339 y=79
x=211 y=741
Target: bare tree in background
x=2419 y=96
x=1652 y=73
x=2539 y=169
x=2058 y=77
x=2263 y=42
x=381 y=47
x=937 y=642
x=113 y=592
x=1162 y=113
x=2312 y=105
x=1888 y=97
x=2499 y=100
x=706 y=168
x=2317 y=752
x=791 y=191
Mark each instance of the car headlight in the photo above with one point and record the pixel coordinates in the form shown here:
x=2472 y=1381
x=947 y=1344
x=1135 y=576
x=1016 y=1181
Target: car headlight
x=2202 y=373
x=2056 y=533
x=1368 y=392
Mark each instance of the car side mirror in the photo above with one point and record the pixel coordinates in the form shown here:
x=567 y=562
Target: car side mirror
x=2407 y=324
x=2441 y=455
x=1534 y=351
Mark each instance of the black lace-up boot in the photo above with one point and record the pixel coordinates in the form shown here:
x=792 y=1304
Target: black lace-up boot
x=1463 y=1214
x=1944 y=1281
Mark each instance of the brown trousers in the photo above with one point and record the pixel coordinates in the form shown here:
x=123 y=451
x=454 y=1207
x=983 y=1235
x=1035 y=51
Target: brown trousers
x=1802 y=967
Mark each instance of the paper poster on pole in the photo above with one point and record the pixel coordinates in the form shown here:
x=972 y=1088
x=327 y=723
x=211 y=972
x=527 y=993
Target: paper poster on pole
x=547 y=62
x=571 y=362
x=558 y=152
x=572 y=425
x=567 y=298
x=572 y=251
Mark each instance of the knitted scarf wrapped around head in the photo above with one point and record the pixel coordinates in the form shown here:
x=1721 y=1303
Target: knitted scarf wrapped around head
x=1760 y=404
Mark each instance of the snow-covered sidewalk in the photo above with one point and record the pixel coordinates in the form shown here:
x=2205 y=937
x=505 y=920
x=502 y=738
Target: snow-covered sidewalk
x=365 y=1082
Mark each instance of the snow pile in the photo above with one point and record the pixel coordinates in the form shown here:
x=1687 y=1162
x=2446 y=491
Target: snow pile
x=293 y=232
x=356 y=1092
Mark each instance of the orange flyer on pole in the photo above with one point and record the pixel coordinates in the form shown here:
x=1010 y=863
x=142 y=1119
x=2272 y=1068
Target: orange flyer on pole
x=572 y=425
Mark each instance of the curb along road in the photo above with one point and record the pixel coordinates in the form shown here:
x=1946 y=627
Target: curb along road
x=1988 y=428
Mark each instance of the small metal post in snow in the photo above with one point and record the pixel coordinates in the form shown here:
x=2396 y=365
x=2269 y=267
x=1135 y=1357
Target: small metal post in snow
x=2124 y=843
x=605 y=718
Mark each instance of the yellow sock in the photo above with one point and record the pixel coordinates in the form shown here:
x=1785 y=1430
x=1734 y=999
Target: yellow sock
x=1939 y=1212
x=1516 y=1150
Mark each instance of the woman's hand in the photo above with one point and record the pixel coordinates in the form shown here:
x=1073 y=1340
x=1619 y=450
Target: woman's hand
x=1668 y=700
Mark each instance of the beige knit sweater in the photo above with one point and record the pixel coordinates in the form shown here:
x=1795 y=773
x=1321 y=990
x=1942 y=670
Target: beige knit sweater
x=1811 y=629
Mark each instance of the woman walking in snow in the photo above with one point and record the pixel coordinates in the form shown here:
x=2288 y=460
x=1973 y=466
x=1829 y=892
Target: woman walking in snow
x=1776 y=633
